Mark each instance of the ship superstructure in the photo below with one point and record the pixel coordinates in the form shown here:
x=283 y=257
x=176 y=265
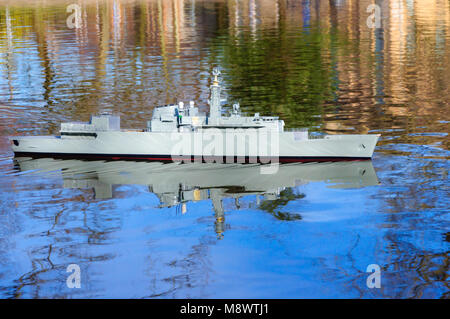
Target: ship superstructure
x=187 y=118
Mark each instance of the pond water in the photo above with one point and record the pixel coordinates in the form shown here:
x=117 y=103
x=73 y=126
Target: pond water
x=144 y=230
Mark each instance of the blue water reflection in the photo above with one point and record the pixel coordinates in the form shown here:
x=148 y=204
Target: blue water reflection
x=315 y=64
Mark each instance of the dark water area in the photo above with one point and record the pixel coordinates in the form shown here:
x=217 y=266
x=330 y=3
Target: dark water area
x=144 y=230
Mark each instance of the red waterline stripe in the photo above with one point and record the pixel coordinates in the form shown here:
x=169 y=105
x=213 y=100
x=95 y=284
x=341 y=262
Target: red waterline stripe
x=192 y=158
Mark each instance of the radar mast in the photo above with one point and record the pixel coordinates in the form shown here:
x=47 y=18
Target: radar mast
x=215 y=108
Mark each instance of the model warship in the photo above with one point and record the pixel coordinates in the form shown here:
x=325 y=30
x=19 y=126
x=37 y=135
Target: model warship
x=182 y=133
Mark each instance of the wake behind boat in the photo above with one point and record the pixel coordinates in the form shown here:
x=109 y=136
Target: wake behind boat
x=182 y=133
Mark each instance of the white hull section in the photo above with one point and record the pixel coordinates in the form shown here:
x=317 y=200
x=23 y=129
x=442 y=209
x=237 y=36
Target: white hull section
x=160 y=146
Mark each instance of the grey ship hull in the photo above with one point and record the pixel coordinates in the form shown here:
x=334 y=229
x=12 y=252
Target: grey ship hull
x=158 y=146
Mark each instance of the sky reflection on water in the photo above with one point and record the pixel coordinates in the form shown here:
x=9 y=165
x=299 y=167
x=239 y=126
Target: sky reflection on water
x=314 y=64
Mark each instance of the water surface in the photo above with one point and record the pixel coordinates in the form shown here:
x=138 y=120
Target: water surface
x=145 y=231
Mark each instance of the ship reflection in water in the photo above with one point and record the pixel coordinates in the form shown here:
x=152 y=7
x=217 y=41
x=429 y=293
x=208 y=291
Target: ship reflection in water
x=176 y=184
